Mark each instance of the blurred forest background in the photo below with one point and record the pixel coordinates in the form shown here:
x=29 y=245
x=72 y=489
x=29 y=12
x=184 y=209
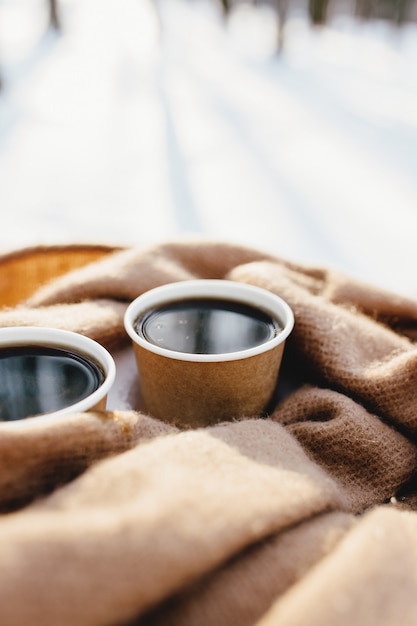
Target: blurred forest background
x=318 y=12
x=289 y=125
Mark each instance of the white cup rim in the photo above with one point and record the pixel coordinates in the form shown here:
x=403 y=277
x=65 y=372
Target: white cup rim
x=59 y=338
x=245 y=293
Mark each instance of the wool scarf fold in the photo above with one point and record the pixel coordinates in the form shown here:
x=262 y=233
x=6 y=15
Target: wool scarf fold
x=305 y=516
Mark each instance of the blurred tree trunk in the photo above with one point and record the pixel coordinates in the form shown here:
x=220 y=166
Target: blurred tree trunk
x=282 y=10
x=318 y=10
x=54 y=15
x=365 y=9
x=225 y=6
x=401 y=11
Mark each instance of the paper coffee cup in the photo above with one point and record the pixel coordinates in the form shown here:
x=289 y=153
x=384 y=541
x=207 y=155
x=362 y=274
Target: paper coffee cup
x=47 y=373
x=199 y=386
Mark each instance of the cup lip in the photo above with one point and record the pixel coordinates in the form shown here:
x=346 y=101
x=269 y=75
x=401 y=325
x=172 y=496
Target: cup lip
x=67 y=339
x=259 y=297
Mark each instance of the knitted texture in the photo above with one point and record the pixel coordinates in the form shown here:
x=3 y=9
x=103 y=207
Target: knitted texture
x=307 y=516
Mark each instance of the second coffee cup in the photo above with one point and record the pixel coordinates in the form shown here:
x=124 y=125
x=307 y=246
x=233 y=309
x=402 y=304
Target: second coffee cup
x=207 y=350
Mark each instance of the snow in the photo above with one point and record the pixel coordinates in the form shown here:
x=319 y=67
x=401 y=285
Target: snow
x=146 y=121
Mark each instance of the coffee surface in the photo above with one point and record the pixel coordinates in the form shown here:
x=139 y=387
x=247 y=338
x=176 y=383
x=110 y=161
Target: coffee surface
x=35 y=380
x=207 y=326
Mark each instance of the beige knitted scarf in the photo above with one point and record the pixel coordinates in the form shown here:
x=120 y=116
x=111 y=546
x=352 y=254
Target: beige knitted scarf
x=303 y=518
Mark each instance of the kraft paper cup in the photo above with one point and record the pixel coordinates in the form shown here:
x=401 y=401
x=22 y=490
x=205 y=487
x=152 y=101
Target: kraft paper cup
x=75 y=343
x=191 y=390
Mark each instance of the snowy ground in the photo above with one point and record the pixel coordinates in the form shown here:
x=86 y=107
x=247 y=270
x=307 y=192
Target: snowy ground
x=138 y=126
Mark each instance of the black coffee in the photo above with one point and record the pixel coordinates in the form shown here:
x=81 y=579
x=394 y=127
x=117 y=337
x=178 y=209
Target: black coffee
x=36 y=380
x=207 y=326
